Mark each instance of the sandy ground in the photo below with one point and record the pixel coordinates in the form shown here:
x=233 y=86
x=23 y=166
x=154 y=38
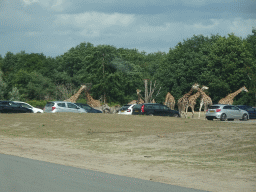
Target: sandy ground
x=61 y=152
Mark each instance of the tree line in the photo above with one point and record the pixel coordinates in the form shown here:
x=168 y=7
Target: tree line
x=224 y=64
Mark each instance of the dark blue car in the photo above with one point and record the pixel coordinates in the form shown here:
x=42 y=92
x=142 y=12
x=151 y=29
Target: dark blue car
x=88 y=108
x=250 y=110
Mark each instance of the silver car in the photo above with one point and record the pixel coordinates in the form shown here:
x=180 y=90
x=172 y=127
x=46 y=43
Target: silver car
x=226 y=112
x=62 y=106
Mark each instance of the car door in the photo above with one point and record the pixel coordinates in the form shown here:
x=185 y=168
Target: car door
x=228 y=111
x=6 y=108
x=72 y=108
x=237 y=114
x=252 y=113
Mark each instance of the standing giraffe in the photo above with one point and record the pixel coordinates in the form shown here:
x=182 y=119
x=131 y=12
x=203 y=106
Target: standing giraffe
x=140 y=101
x=74 y=97
x=169 y=101
x=205 y=101
x=228 y=100
x=91 y=101
x=183 y=101
x=192 y=100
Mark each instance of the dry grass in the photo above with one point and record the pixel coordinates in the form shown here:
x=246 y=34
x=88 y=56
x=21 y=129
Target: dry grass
x=186 y=143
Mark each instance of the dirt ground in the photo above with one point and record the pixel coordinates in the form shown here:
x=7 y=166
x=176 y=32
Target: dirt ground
x=189 y=157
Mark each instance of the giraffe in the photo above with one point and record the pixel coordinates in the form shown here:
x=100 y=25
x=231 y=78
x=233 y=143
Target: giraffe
x=183 y=101
x=192 y=100
x=169 y=101
x=205 y=101
x=74 y=97
x=139 y=101
x=91 y=101
x=132 y=102
x=229 y=98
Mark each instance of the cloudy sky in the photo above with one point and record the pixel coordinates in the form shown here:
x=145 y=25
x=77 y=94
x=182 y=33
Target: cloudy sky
x=52 y=27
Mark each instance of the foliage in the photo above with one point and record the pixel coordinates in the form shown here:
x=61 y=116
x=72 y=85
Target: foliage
x=37 y=103
x=14 y=94
x=224 y=64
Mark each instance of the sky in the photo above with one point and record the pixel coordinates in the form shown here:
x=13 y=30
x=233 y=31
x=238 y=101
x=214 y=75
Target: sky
x=52 y=27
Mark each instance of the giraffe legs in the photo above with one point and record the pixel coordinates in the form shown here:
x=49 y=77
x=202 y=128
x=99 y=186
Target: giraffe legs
x=201 y=105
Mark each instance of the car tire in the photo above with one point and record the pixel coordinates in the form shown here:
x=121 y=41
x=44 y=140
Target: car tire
x=151 y=114
x=245 y=117
x=175 y=115
x=223 y=117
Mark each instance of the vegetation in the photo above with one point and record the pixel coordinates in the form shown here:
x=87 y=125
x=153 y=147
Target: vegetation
x=224 y=64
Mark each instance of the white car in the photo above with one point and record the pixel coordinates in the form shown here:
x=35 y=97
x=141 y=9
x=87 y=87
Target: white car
x=35 y=110
x=126 y=109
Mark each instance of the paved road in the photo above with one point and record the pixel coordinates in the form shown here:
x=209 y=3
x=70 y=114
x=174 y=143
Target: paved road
x=18 y=174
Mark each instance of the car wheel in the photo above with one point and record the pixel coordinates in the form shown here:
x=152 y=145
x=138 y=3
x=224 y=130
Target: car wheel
x=175 y=115
x=245 y=117
x=150 y=114
x=223 y=117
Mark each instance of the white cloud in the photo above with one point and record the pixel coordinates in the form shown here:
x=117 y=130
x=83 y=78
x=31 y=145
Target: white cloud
x=91 y=24
x=29 y=2
x=55 y=5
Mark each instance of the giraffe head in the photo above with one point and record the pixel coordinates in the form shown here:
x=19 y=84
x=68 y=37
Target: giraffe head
x=204 y=88
x=138 y=91
x=195 y=86
x=244 y=89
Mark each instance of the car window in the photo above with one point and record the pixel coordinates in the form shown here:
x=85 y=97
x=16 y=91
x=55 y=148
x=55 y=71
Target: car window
x=25 y=105
x=49 y=104
x=251 y=109
x=5 y=104
x=71 y=105
x=61 y=104
x=86 y=107
x=149 y=107
x=138 y=106
x=125 y=107
x=234 y=108
x=14 y=104
x=227 y=107
x=214 y=107
x=165 y=107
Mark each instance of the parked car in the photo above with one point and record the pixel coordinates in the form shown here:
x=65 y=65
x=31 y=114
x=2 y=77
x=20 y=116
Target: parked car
x=34 y=109
x=226 y=112
x=62 y=106
x=126 y=109
x=154 y=109
x=12 y=107
x=88 y=108
x=250 y=110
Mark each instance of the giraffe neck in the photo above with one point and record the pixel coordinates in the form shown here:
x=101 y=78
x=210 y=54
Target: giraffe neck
x=75 y=96
x=89 y=97
x=189 y=93
x=232 y=95
x=197 y=94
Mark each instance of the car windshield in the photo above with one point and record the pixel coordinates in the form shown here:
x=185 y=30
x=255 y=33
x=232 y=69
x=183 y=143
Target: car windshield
x=125 y=107
x=49 y=104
